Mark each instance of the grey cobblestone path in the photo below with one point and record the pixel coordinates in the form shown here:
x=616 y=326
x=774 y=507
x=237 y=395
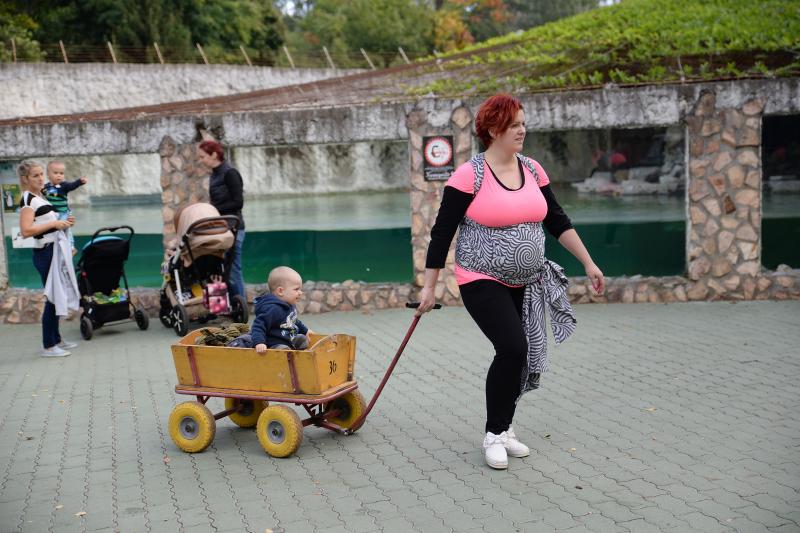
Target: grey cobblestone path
x=670 y=418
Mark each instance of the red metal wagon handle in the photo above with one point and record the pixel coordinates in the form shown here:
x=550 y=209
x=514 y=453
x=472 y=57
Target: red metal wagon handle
x=360 y=421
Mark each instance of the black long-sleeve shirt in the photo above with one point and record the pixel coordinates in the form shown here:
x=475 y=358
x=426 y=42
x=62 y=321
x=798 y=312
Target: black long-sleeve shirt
x=453 y=208
x=226 y=191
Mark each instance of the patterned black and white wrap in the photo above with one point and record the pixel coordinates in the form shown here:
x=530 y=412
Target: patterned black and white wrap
x=515 y=255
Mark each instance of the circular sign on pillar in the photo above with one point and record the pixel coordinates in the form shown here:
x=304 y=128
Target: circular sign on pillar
x=437 y=154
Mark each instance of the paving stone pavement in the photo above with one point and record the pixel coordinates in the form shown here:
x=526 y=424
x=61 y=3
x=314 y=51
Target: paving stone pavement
x=680 y=417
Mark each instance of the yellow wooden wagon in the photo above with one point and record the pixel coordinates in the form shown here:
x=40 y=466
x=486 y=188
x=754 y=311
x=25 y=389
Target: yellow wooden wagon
x=319 y=378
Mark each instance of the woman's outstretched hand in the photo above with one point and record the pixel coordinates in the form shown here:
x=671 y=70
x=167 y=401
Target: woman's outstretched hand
x=596 y=276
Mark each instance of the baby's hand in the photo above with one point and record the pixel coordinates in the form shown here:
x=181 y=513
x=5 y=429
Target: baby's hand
x=84 y=180
x=261 y=348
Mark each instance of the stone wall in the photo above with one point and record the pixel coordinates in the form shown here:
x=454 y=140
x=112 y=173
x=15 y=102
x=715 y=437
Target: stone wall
x=426 y=195
x=35 y=89
x=24 y=306
x=184 y=181
x=724 y=199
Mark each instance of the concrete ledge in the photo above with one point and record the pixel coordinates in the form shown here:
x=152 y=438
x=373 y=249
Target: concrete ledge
x=24 y=306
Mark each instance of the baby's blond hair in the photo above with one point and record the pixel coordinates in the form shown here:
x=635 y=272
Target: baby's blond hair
x=54 y=162
x=280 y=276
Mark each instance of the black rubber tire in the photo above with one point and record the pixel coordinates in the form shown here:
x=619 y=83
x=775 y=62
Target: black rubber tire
x=239 y=311
x=142 y=320
x=165 y=311
x=87 y=330
x=180 y=320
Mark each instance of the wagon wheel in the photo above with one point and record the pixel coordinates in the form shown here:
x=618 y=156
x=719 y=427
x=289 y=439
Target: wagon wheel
x=142 y=320
x=180 y=320
x=192 y=426
x=350 y=405
x=247 y=417
x=279 y=430
x=239 y=311
x=87 y=330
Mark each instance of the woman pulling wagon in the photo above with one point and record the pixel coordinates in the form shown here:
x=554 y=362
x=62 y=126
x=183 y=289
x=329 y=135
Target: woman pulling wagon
x=500 y=200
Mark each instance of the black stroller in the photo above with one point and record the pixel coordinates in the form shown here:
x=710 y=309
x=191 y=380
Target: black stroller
x=99 y=269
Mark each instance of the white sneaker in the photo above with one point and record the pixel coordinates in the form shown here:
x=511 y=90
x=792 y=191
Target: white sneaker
x=494 y=451
x=513 y=446
x=66 y=345
x=55 y=351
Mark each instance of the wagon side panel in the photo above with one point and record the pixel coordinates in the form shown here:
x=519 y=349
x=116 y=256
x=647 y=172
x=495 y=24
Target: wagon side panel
x=333 y=365
x=234 y=368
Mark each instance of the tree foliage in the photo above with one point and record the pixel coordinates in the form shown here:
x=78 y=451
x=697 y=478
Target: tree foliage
x=420 y=27
x=219 y=25
x=20 y=28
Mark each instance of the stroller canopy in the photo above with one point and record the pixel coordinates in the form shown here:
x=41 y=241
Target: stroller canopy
x=212 y=237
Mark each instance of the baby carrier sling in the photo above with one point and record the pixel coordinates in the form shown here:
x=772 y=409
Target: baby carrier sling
x=515 y=255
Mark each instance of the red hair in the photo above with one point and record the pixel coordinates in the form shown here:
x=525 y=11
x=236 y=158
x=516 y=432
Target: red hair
x=213 y=147
x=496 y=113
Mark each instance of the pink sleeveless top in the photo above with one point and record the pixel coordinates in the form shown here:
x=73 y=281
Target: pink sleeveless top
x=496 y=206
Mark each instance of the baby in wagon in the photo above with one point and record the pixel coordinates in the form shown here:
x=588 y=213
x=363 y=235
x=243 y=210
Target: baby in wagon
x=276 y=324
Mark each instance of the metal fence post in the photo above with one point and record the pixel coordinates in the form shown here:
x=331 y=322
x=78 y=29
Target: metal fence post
x=63 y=51
x=158 y=53
x=330 y=61
x=368 y=59
x=113 y=55
x=202 y=54
x=288 y=56
x=405 y=57
x=244 y=53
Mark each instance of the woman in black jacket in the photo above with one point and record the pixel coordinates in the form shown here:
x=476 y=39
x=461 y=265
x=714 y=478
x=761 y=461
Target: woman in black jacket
x=226 y=192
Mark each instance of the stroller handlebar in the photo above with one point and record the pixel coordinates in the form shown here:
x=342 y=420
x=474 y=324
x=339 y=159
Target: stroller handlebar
x=232 y=222
x=112 y=229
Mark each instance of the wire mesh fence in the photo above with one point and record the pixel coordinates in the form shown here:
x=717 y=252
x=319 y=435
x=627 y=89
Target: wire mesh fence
x=155 y=54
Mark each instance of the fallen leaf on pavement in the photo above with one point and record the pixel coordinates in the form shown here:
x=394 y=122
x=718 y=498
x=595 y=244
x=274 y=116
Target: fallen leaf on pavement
x=650 y=409
x=82 y=513
x=167 y=459
x=58 y=507
x=573 y=449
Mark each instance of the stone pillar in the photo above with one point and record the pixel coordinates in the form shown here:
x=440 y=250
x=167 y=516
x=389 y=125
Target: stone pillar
x=426 y=120
x=184 y=181
x=724 y=199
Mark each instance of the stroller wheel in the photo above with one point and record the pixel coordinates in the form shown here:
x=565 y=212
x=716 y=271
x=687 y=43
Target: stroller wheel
x=239 y=309
x=86 y=328
x=180 y=320
x=165 y=311
x=142 y=320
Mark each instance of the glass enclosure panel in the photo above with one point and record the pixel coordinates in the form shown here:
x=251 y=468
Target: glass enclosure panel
x=780 y=152
x=624 y=191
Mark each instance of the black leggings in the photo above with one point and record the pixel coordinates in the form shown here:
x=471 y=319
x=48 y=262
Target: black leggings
x=497 y=309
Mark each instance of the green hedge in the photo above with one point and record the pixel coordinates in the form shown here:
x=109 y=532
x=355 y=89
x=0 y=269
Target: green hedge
x=635 y=41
